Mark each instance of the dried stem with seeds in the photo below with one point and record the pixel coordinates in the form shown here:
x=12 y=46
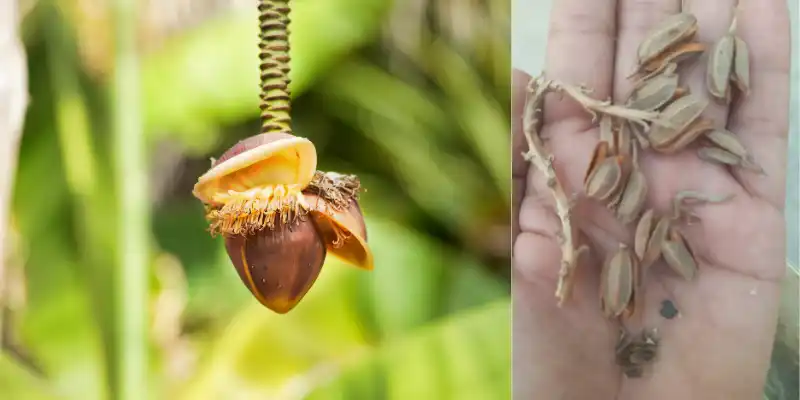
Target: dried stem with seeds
x=594 y=106
x=543 y=160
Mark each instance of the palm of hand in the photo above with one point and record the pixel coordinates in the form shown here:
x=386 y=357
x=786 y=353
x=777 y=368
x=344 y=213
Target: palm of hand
x=720 y=345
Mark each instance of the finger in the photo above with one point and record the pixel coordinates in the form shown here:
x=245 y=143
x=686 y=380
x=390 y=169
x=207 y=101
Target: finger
x=537 y=255
x=519 y=168
x=635 y=19
x=714 y=19
x=542 y=330
x=762 y=119
x=580 y=50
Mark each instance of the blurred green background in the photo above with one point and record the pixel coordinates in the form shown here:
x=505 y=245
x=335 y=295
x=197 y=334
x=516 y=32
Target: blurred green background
x=412 y=97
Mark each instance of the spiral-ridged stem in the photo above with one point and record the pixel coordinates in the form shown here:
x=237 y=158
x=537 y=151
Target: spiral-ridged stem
x=274 y=54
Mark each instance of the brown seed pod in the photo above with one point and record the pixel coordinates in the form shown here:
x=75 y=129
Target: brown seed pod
x=686 y=137
x=720 y=65
x=651 y=232
x=606 y=174
x=617 y=282
x=740 y=74
x=644 y=228
x=724 y=157
x=677 y=55
x=633 y=197
x=678 y=255
x=670 y=32
x=678 y=118
x=654 y=93
x=279 y=265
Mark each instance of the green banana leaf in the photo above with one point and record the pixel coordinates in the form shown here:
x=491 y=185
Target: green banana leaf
x=463 y=357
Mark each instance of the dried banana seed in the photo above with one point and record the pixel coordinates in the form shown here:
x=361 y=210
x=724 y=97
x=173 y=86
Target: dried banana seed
x=682 y=112
x=625 y=148
x=718 y=156
x=728 y=141
x=605 y=180
x=740 y=75
x=654 y=93
x=686 y=137
x=606 y=173
x=678 y=256
x=673 y=30
x=617 y=284
x=720 y=65
x=677 y=55
x=721 y=156
x=642 y=234
x=676 y=117
x=655 y=242
x=634 y=196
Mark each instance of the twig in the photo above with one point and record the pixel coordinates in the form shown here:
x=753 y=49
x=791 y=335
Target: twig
x=543 y=160
x=594 y=106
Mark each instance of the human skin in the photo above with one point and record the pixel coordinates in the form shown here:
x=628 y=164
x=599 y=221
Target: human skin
x=719 y=347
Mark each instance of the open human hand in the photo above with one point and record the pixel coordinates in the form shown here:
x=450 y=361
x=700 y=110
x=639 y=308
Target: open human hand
x=719 y=346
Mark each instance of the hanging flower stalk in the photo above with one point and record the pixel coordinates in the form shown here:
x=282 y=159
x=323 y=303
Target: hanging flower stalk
x=279 y=216
x=274 y=53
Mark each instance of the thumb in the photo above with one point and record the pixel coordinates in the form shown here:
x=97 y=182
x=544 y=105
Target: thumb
x=519 y=166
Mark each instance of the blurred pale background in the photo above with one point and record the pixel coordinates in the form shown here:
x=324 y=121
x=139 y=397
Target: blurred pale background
x=412 y=97
x=529 y=40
